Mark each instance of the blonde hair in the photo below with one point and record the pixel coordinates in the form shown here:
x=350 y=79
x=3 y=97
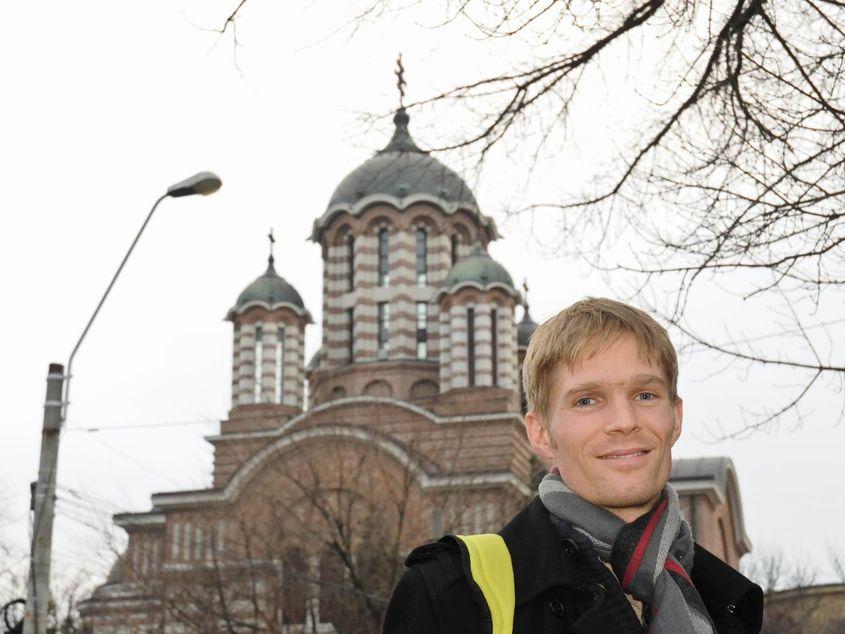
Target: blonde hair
x=574 y=331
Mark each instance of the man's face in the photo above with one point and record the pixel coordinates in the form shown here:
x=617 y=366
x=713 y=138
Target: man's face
x=610 y=428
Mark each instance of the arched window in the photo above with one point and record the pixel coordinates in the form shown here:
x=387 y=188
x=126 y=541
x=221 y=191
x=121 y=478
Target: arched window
x=494 y=341
x=259 y=356
x=422 y=264
x=422 y=330
x=471 y=345
x=383 y=329
x=423 y=389
x=454 y=243
x=383 y=257
x=175 y=541
x=280 y=365
x=350 y=334
x=378 y=388
x=350 y=261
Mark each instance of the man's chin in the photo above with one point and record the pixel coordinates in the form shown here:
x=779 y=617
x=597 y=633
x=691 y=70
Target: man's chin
x=628 y=501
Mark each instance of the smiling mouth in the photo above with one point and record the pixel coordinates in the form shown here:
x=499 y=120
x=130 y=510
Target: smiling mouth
x=625 y=455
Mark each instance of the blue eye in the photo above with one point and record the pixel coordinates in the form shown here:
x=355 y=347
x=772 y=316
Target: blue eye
x=584 y=401
x=646 y=396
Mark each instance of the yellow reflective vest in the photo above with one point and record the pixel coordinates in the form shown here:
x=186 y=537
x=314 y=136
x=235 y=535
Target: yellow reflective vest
x=492 y=571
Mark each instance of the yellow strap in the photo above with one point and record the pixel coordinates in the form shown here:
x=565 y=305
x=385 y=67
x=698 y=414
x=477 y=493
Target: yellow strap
x=492 y=570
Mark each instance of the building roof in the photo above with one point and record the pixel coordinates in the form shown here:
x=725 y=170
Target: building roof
x=269 y=290
x=526 y=326
x=401 y=174
x=479 y=270
x=715 y=476
x=400 y=170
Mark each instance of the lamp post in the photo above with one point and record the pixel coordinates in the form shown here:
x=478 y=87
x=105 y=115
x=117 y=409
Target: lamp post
x=55 y=414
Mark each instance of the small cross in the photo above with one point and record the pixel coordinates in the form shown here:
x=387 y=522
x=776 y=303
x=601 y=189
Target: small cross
x=272 y=242
x=400 y=80
x=525 y=289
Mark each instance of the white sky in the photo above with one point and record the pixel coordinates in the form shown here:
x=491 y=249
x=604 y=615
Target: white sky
x=106 y=104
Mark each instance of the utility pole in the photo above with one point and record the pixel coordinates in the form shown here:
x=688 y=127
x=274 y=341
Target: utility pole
x=55 y=413
x=38 y=585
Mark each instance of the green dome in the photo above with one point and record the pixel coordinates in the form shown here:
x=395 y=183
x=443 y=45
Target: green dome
x=478 y=268
x=401 y=170
x=269 y=289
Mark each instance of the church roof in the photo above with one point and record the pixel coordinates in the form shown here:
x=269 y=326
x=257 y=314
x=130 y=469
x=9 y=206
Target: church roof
x=714 y=475
x=478 y=269
x=401 y=170
x=269 y=290
x=401 y=174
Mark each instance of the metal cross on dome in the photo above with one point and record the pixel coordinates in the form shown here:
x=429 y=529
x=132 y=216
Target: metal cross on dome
x=400 y=80
x=272 y=242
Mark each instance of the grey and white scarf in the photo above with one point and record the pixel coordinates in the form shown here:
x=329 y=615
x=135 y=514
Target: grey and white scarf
x=652 y=556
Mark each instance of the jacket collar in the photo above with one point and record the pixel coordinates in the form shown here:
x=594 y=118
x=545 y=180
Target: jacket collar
x=536 y=553
x=539 y=563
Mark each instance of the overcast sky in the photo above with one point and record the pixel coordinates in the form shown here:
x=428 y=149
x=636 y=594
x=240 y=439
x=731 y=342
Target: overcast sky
x=106 y=104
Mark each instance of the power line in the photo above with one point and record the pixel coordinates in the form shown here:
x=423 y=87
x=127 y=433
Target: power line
x=184 y=423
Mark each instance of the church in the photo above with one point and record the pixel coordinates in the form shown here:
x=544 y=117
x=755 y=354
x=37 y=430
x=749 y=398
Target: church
x=404 y=425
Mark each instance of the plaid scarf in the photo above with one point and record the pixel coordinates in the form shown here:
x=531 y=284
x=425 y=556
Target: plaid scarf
x=652 y=556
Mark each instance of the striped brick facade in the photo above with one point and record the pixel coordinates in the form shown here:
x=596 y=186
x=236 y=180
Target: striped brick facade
x=354 y=290
x=278 y=376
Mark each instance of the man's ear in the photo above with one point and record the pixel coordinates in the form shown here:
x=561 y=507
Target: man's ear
x=678 y=417
x=538 y=436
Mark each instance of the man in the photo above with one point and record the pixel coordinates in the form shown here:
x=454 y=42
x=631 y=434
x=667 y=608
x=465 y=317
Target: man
x=603 y=547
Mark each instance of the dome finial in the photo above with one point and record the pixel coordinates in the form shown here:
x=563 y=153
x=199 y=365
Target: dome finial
x=401 y=140
x=271 y=260
x=526 y=316
x=400 y=81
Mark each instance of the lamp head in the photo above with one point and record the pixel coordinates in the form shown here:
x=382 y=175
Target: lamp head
x=204 y=183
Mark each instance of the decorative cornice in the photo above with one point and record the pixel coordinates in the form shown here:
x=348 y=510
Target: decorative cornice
x=511 y=292
x=401 y=204
x=363 y=400
x=424 y=473
x=300 y=312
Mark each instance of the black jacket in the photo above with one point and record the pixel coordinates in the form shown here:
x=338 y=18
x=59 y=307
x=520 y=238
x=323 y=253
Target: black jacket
x=560 y=587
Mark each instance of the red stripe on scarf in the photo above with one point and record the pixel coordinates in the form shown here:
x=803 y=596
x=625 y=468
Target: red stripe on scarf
x=674 y=566
x=639 y=551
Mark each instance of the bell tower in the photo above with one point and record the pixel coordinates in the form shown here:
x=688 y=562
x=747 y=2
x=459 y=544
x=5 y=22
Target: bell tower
x=268 y=320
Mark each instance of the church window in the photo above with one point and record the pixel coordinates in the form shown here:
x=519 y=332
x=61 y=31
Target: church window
x=174 y=541
x=259 y=354
x=154 y=556
x=454 y=248
x=186 y=541
x=280 y=365
x=422 y=330
x=350 y=334
x=471 y=345
x=494 y=335
x=383 y=256
x=422 y=265
x=198 y=543
x=350 y=261
x=221 y=537
x=383 y=329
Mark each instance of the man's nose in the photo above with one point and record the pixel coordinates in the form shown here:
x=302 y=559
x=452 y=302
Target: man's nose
x=622 y=416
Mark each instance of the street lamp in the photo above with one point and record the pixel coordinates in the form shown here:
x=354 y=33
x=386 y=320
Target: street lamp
x=55 y=413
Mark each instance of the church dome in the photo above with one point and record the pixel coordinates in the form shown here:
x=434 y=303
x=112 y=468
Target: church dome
x=402 y=170
x=525 y=328
x=268 y=290
x=478 y=269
